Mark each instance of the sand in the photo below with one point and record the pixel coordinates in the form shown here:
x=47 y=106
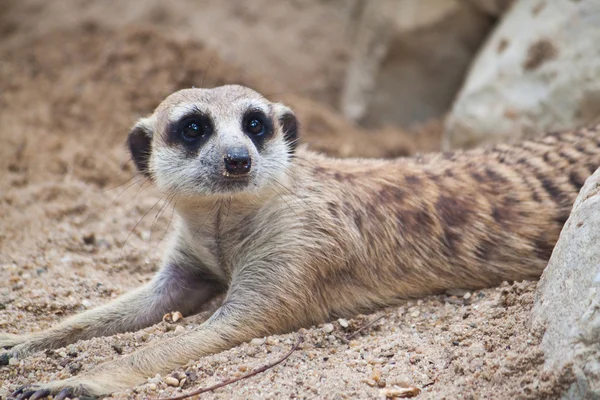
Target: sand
x=78 y=227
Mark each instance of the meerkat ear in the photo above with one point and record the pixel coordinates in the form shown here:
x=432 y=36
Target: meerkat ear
x=139 y=142
x=289 y=125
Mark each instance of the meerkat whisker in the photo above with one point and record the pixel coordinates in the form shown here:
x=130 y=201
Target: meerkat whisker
x=137 y=223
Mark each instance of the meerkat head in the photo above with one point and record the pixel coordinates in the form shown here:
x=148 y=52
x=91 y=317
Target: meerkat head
x=216 y=141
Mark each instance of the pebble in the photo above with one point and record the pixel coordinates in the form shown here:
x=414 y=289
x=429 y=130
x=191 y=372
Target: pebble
x=393 y=392
x=169 y=380
x=400 y=381
x=257 y=341
x=467 y=296
x=86 y=303
x=415 y=314
x=328 y=328
x=343 y=323
x=13 y=361
x=371 y=382
x=179 y=329
x=152 y=387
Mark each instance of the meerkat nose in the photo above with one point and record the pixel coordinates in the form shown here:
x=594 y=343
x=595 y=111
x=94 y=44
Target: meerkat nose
x=237 y=161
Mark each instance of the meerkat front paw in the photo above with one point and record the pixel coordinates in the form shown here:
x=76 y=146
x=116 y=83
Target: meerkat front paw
x=8 y=340
x=68 y=388
x=14 y=346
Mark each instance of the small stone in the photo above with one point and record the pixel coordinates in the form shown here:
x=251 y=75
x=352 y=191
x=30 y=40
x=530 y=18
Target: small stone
x=400 y=381
x=117 y=348
x=179 y=329
x=343 y=323
x=467 y=296
x=257 y=341
x=371 y=382
x=328 y=328
x=152 y=387
x=393 y=392
x=86 y=303
x=13 y=361
x=75 y=367
x=182 y=382
x=376 y=375
x=72 y=351
x=415 y=314
x=192 y=377
x=169 y=380
x=89 y=239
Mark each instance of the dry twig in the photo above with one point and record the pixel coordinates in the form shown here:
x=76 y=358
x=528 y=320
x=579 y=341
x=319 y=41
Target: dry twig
x=239 y=378
x=350 y=336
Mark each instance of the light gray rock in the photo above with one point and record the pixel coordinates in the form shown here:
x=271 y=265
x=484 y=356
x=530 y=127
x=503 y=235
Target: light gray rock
x=409 y=57
x=567 y=300
x=539 y=71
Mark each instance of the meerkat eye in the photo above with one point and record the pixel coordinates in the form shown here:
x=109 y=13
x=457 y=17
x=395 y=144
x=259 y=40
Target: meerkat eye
x=192 y=129
x=255 y=125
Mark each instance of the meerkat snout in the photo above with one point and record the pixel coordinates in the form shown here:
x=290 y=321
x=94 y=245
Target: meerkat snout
x=237 y=162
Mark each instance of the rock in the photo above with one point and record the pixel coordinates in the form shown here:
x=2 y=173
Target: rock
x=179 y=329
x=539 y=71
x=395 y=392
x=567 y=299
x=257 y=341
x=343 y=323
x=409 y=57
x=328 y=328
x=169 y=380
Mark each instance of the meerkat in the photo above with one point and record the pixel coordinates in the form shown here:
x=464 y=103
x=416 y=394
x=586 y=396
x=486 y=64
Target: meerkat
x=294 y=238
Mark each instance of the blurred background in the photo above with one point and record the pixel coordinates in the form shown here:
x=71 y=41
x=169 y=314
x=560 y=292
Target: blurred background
x=417 y=75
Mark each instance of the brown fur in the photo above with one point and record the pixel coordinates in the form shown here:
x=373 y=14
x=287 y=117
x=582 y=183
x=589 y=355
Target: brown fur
x=334 y=237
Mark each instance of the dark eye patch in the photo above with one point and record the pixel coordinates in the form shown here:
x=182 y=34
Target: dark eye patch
x=191 y=131
x=258 y=126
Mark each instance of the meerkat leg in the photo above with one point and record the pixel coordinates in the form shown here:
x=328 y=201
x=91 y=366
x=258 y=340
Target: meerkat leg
x=247 y=312
x=172 y=289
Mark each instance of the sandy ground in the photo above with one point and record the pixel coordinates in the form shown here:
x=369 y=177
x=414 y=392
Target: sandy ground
x=78 y=227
